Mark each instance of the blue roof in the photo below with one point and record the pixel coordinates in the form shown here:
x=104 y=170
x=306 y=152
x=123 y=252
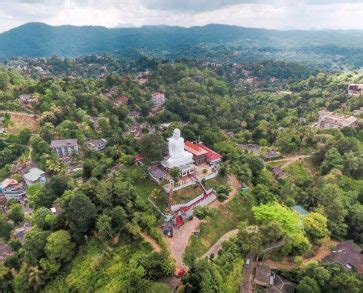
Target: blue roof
x=300 y=210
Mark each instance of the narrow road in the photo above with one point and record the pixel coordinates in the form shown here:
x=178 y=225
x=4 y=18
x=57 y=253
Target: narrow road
x=218 y=245
x=246 y=283
x=156 y=247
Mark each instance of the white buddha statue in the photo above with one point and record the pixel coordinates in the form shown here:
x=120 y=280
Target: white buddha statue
x=177 y=155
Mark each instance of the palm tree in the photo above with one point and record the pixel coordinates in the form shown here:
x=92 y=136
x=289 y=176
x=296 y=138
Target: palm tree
x=36 y=277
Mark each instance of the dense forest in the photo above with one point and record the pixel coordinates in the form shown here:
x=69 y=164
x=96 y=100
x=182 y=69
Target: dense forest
x=95 y=241
x=326 y=49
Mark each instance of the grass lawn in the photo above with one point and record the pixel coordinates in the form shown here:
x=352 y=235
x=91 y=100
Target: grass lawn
x=224 y=219
x=186 y=194
x=145 y=188
x=275 y=164
x=219 y=180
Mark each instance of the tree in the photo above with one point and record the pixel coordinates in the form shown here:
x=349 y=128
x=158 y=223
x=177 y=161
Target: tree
x=39 y=218
x=308 y=285
x=332 y=159
x=35 y=241
x=24 y=136
x=263 y=194
x=157 y=265
x=175 y=173
x=315 y=226
x=5 y=227
x=223 y=192
x=296 y=241
x=152 y=147
x=203 y=212
x=36 y=278
x=16 y=213
x=59 y=247
x=104 y=225
x=80 y=214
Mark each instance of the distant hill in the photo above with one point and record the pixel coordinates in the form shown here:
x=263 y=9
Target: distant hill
x=210 y=41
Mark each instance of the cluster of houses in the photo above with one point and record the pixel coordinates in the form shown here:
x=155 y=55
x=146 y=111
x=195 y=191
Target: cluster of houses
x=12 y=189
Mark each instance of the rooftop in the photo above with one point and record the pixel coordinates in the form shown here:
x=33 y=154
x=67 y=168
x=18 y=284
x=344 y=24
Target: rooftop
x=337 y=118
x=34 y=174
x=63 y=143
x=263 y=274
x=348 y=254
x=300 y=210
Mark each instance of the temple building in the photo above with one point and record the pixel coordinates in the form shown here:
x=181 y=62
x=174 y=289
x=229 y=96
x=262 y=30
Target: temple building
x=202 y=154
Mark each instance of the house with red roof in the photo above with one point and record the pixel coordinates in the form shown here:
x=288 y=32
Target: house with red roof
x=203 y=154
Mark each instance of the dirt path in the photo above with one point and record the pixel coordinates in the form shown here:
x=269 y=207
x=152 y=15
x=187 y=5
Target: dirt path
x=156 y=247
x=218 y=245
x=235 y=185
x=289 y=160
x=178 y=243
x=288 y=264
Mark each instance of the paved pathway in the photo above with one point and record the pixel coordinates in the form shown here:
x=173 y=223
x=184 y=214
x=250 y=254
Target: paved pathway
x=218 y=245
x=179 y=242
x=246 y=283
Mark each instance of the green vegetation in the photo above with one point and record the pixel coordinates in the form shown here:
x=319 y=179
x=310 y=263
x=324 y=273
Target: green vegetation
x=217 y=224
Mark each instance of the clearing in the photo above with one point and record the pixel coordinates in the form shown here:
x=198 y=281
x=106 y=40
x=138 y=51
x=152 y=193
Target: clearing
x=19 y=121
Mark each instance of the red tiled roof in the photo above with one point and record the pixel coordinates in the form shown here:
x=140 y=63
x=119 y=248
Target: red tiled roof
x=194 y=148
x=139 y=157
x=211 y=155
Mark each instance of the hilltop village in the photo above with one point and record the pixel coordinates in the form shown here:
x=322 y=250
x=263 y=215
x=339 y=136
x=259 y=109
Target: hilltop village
x=179 y=177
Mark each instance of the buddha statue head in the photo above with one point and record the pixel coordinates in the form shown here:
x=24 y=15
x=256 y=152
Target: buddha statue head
x=176 y=133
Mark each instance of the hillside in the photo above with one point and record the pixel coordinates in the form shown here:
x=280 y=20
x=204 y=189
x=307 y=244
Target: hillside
x=222 y=42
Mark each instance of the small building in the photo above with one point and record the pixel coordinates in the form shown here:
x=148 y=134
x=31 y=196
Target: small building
x=199 y=154
x=12 y=189
x=263 y=276
x=158 y=99
x=281 y=285
x=203 y=154
x=65 y=147
x=349 y=255
x=270 y=155
x=357 y=112
x=96 y=144
x=121 y=100
x=300 y=210
x=329 y=120
x=134 y=114
x=27 y=99
x=135 y=130
x=253 y=148
x=34 y=175
x=139 y=159
x=156 y=173
x=278 y=172
x=355 y=89
x=5 y=251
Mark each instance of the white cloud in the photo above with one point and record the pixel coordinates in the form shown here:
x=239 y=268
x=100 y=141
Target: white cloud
x=278 y=14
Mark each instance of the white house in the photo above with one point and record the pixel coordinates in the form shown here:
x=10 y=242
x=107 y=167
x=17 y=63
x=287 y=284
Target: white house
x=34 y=175
x=96 y=144
x=158 y=99
x=65 y=147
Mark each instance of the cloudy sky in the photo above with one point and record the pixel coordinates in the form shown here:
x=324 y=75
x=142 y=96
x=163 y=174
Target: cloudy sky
x=277 y=14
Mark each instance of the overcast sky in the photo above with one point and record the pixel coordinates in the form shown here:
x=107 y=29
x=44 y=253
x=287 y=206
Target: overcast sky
x=278 y=14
